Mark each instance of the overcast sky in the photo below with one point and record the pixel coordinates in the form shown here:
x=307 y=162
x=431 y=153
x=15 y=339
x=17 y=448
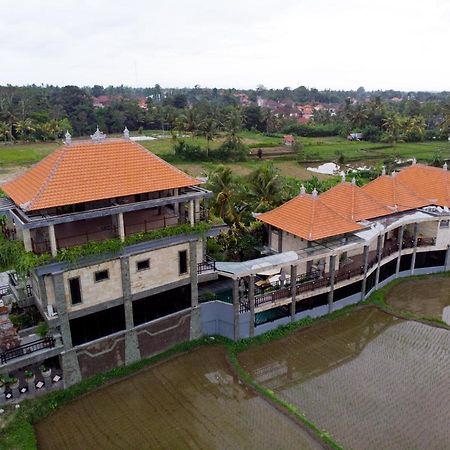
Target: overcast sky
x=341 y=44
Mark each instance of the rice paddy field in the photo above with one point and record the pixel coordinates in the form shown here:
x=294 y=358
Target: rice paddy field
x=370 y=379
x=192 y=401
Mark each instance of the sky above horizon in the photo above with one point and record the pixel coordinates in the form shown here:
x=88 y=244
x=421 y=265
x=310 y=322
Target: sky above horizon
x=401 y=45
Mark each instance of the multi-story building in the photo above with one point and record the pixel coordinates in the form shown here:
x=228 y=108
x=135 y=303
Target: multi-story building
x=133 y=290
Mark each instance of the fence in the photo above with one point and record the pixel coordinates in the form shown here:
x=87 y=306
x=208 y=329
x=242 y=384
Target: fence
x=23 y=350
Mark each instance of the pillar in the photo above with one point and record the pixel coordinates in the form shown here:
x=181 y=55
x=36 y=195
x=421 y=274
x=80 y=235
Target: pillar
x=120 y=226
x=280 y=240
x=176 y=192
x=366 y=264
x=132 y=352
x=26 y=236
x=400 y=247
x=447 y=258
x=379 y=250
x=331 y=293
x=191 y=213
x=197 y=209
x=69 y=360
x=182 y=216
x=52 y=239
x=415 y=237
x=251 y=299
x=293 y=291
x=236 y=309
x=196 y=323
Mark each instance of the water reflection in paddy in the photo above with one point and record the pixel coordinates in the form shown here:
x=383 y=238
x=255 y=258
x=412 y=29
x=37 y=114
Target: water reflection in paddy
x=371 y=380
x=429 y=297
x=191 y=401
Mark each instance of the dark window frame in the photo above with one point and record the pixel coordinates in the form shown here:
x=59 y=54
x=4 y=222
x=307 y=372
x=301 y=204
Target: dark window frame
x=79 y=289
x=96 y=274
x=183 y=262
x=145 y=262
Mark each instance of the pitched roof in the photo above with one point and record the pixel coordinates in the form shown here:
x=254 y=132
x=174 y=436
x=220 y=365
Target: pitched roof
x=89 y=171
x=392 y=192
x=353 y=202
x=431 y=183
x=310 y=218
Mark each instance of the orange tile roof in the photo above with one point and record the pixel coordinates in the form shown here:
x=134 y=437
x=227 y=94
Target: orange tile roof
x=310 y=218
x=88 y=171
x=431 y=183
x=353 y=202
x=391 y=191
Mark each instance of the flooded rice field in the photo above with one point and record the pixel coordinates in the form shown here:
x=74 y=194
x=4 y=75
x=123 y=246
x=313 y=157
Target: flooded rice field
x=369 y=379
x=190 y=401
x=429 y=297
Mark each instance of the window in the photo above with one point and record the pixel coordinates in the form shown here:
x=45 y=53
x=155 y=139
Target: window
x=101 y=275
x=444 y=223
x=182 y=261
x=143 y=265
x=75 y=290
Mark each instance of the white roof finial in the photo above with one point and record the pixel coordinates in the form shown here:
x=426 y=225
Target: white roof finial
x=314 y=193
x=343 y=176
x=383 y=170
x=414 y=161
x=445 y=166
x=126 y=133
x=302 y=190
x=393 y=174
x=354 y=181
x=98 y=136
x=68 y=137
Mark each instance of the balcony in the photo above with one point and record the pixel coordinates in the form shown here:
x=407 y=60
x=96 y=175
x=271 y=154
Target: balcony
x=26 y=349
x=209 y=265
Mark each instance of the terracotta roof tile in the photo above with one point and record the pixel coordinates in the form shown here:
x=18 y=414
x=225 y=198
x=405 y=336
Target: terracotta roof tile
x=308 y=217
x=353 y=202
x=89 y=171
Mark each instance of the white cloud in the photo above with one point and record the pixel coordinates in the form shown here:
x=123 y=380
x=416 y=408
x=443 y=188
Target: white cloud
x=323 y=43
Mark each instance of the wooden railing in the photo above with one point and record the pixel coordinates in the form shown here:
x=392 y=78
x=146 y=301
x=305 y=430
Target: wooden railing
x=23 y=350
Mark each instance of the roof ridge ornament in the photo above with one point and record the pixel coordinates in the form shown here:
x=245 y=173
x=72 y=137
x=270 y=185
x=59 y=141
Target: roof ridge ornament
x=314 y=193
x=343 y=176
x=354 y=181
x=302 y=190
x=68 y=137
x=393 y=174
x=383 y=170
x=126 y=133
x=98 y=136
x=414 y=161
x=445 y=165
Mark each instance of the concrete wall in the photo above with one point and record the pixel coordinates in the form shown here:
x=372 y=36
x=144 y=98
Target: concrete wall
x=291 y=242
x=164 y=268
x=217 y=318
x=443 y=237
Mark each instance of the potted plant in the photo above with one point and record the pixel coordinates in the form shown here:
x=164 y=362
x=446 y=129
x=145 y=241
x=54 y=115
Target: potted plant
x=13 y=382
x=29 y=376
x=46 y=371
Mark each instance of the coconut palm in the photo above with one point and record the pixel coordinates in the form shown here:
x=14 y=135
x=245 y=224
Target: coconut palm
x=5 y=131
x=393 y=124
x=209 y=129
x=25 y=128
x=233 y=125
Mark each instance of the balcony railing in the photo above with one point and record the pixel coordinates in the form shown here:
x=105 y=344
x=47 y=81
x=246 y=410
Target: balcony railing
x=151 y=224
x=206 y=266
x=23 y=350
x=425 y=242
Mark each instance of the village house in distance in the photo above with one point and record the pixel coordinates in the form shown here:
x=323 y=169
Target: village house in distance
x=324 y=252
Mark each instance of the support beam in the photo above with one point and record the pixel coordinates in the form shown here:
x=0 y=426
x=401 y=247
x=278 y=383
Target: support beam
x=196 y=323
x=197 y=209
x=280 y=240
x=52 y=239
x=236 y=333
x=191 y=213
x=293 y=291
x=400 y=247
x=26 y=236
x=251 y=299
x=366 y=265
x=331 y=293
x=120 y=226
x=379 y=252
x=413 y=257
x=176 y=192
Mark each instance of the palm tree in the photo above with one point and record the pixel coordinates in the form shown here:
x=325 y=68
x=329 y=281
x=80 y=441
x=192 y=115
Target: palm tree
x=208 y=129
x=190 y=120
x=265 y=186
x=25 y=128
x=5 y=133
x=393 y=125
x=445 y=123
x=233 y=125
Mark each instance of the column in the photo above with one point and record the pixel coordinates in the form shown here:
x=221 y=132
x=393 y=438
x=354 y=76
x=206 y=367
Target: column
x=26 y=236
x=251 y=299
x=413 y=258
x=69 y=359
x=182 y=210
x=191 y=213
x=447 y=258
x=197 y=209
x=280 y=241
x=366 y=264
x=400 y=246
x=120 y=226
x=132 y=352
x=52 y=238
x=236 y=309
x=196 y=322
x=331 y=293
x=176 y=205
x=293 y=291
x=379 y=250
